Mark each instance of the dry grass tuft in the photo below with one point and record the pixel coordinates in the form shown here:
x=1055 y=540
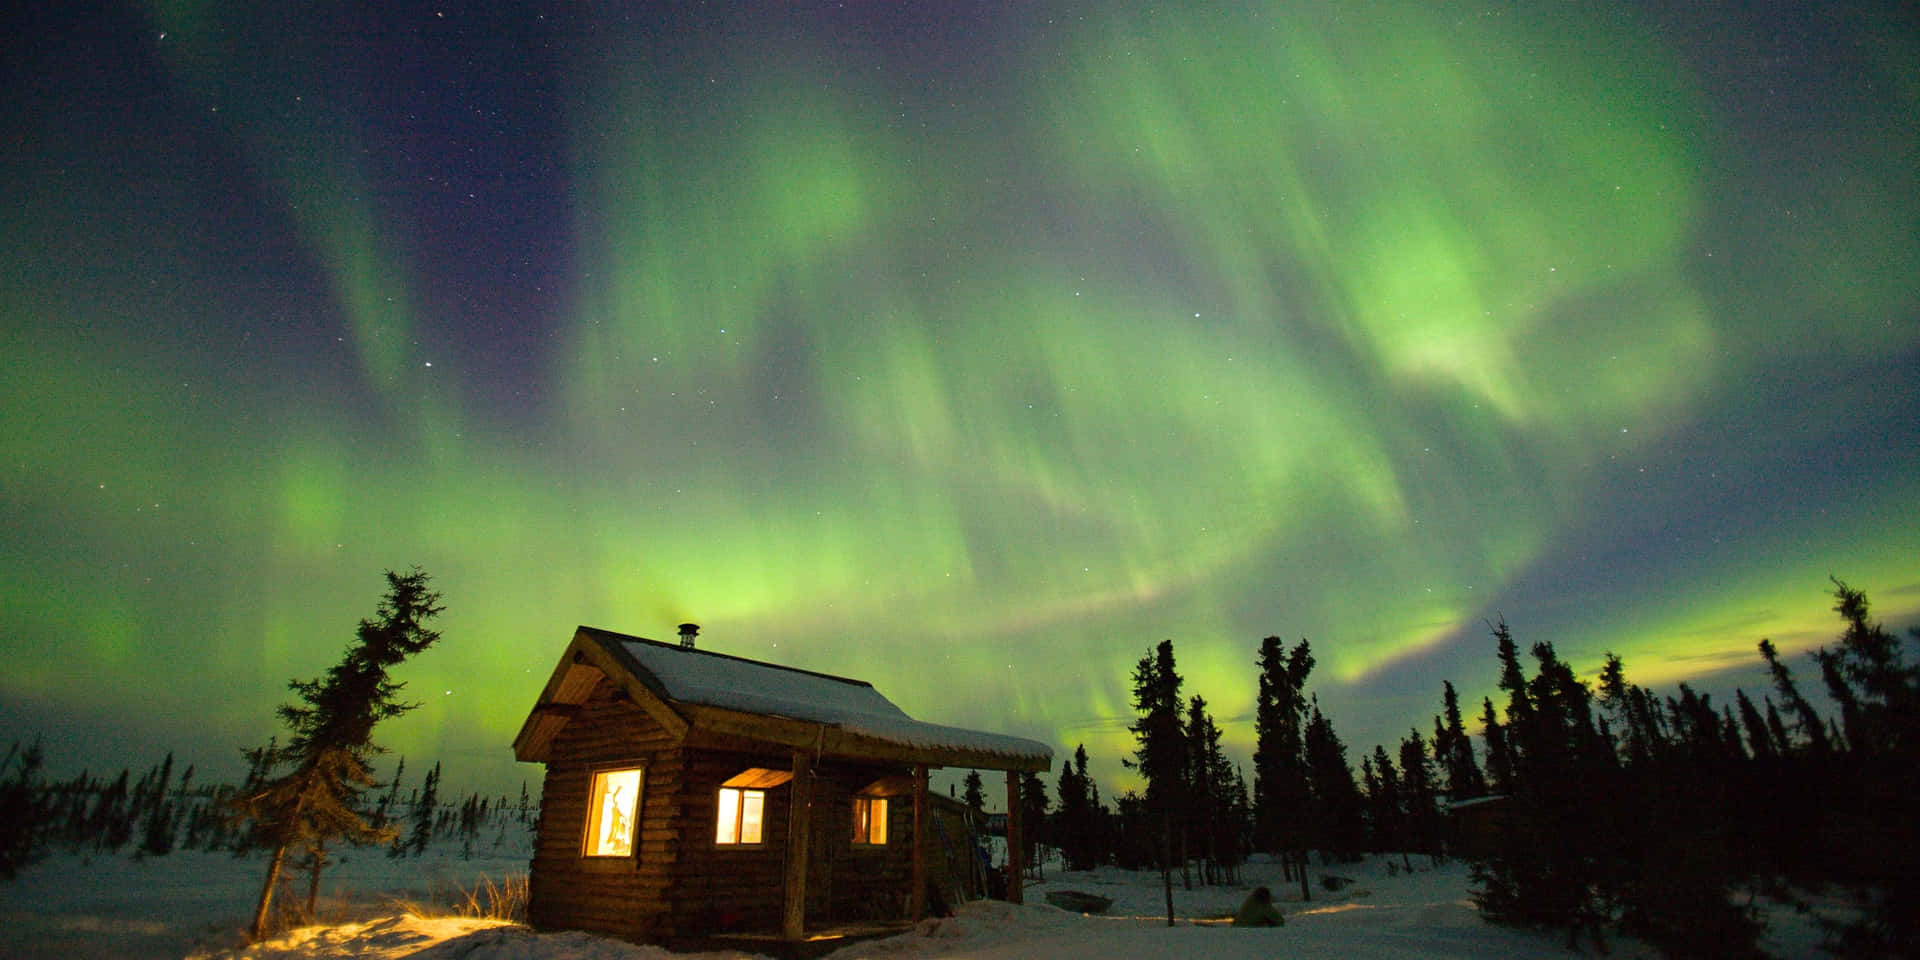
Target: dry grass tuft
x=487 y=900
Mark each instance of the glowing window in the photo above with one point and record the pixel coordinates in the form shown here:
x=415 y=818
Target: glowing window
x=741 y=814
x=870 y=820
x=612 y=810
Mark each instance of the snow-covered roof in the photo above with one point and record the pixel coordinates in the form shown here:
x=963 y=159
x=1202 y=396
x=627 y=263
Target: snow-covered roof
x=855 y=712
x=1472 y=802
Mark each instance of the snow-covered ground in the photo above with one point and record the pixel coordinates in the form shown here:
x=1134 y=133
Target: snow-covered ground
x=191 y=905
x=162 y=908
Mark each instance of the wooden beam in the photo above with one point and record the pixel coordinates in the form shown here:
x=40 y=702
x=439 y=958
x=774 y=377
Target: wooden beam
x=917 y=903
x=793 y=917
x=572 y=680
x=833 y=741
x=758 y=778
x=1016 y=848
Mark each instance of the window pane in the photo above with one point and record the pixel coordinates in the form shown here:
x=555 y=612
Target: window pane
x=612 y=810
x=753 y=803
x=869 y=820
x=729 y=816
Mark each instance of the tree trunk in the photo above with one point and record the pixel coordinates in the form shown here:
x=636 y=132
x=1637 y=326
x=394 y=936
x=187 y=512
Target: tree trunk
x=1306 y=892
x=1166 y=862
x=319 y=853
x=266 y=893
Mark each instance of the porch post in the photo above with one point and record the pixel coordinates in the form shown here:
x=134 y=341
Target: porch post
x=793 y=919
x=1016 y=849
x=917 y=901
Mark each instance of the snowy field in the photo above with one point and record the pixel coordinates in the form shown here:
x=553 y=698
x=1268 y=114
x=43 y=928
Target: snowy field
x=191 y=905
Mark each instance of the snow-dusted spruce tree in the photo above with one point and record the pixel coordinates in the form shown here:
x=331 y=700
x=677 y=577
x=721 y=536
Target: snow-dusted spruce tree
x=328 y=756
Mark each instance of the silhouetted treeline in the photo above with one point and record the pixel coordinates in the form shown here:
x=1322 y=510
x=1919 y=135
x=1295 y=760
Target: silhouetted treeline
x=1661 y=817
x=160 y=811
x=1198 y=815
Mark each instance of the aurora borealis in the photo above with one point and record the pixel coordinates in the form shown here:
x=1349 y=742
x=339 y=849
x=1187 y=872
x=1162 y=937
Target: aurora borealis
x=969 y=349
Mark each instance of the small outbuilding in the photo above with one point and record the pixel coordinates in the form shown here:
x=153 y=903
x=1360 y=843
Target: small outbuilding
x=692 y=794
x=1474 y=825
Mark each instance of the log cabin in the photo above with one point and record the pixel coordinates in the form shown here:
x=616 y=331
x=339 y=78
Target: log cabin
x=691 y=794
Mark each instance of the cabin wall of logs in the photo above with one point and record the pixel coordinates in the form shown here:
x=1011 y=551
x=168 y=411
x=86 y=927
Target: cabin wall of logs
x=680 y=881
x=624 y=896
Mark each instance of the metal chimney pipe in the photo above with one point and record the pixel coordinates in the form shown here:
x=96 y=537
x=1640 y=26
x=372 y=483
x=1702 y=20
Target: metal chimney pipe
x=687 y=632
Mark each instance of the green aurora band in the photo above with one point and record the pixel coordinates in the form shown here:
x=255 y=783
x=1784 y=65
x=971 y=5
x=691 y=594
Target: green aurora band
x=1208 y=324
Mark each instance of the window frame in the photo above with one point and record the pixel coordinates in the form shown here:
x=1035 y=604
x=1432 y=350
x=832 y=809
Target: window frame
x=876 y=811
x=597 y=778
x=740 y=804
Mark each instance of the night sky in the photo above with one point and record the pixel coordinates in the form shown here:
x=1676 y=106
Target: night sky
x=970 y=349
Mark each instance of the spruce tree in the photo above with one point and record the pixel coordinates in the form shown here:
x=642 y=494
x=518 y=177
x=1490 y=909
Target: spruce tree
x=1212 y=825
x=1807 y=723
x=330 y=749
x=1418 y=794
x=1070 y=827
x=1777 y=730
x=1389 y=811
x=156 y=832
x=1161 y=752
x=112 y=820
x=426 y=806
x=470 y=814
x=1759 y=737
x=1033 y=812
x=975 y=795
x=384 y=810
x=1271 y=707
x=22 y=809
x=1499 y=751
x=1869 y=676
x=1877 y=837
x=1281 y=794
x=1455 y=754
x=1337 y=818
x=1629 y=722
x=1377 y=824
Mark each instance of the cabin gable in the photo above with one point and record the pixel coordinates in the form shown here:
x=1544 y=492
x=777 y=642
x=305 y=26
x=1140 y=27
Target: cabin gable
x=619 y=895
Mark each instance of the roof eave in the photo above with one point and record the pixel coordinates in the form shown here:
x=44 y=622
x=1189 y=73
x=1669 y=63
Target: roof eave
x=827 y=739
